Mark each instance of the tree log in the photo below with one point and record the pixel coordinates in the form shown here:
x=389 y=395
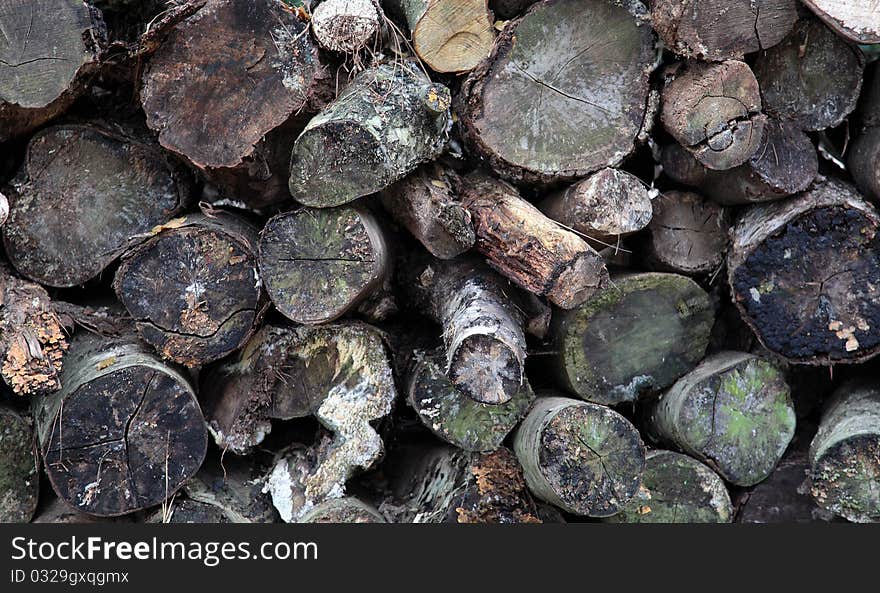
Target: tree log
x=226 y=76
x=864 y=154
x=549 y=106
x=384 y=124
x=346 y=26
x=845 y=454
x=687 y=233
x=714 y=110
x=19 y=468
x=317 y=264
x=343 y=510
x=50 y=49
x=856 y=20
x=83 y=196
x=803 y=273
x=812 y=78
x=527 y=247
x=640 y=334
x=232 y=486
x=721 y=29
x=677 y=489
x=124 y=432
x=583 y=458
x=509 y=9
x=193 y=288
x=732 y=412
x=457 y=418
x=448 y=35
x=605 y=206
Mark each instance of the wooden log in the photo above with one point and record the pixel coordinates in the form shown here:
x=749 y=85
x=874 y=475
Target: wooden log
x=509 y=9
x=82 y=197
x=845 y=454
x=638 y=335
x=857 y=21
x=812 y=78
x=583 y=458
x=233 y=486
x=454 y=416
x=124 y=432
x=864 y=154
x=186 y=511
x=527 y=247
x=426 y=203
x=802 y=274
x=482 y=328
x=32 y=337
x=447 y=35
x=721 y=29
x=384 y=124
x=193 y=288
x=58 y=511
x=733 y=412
x=288 y=372
x=318 y=264
x=607 y=205
x=714 y=110
x=346 y=26
x=784 y=164
x=343 y=510
x=677 y=489
x=687 y=234
x=226 y=76
x=550 y=106
x=19 y=467
x=50 y=50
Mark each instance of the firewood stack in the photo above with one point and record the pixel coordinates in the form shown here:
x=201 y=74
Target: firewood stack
x=439 y=261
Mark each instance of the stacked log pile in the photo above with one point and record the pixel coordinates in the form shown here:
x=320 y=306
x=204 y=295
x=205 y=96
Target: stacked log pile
x=432 y=261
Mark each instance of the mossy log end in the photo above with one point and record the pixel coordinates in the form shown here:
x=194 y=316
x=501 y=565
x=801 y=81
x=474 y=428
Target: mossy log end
x=583 y=458
x=714 y=110
x=528 y=248
x=317 y=264
x=845 y=454
x=82 y=197
x=856 y=20
x=733 y=412
x=803 y=273
x=343 y=510
x=49 y=50
x=564 y=92
x=193 y=288
x=812 y=78
x=721 y=29
x=226 y=76
x=125 y=431
x=677 y=489
x=454 y=416
x=19 y=468
x=384 y=124
x=639 y=334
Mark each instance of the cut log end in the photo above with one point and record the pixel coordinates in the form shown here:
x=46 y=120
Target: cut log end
x=857 y=21
x=345 y=26
x=19 y=468
x=687 y=233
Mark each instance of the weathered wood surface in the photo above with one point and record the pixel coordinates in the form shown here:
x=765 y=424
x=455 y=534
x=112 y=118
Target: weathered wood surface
x=19 y=467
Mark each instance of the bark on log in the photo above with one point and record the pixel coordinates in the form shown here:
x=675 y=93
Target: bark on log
x=427 y=204
x=228 y=75
x=605 y=206
x=454 y=416
x=845 y=454
x=82 y=197
x=583 y=458
x=721 y=29
x=19 y=468
x=640 y=334
x=802 y=273
x=677 y=489
x=733 y=412
x=50 y=49
x=687 y=234
x=527 y=247
x=784 y=164
x=384 y=124
x=864 y=154
x=857 y=20
x=233 y=486
x=290 y=372
x=448 y=35
x=343 y=510
x=812 y=78
x=317 y=264
x=125 y=431
x=193 y=288
x=185 y=511
x=545 y=107
x=346 y=26
x=714 y=110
